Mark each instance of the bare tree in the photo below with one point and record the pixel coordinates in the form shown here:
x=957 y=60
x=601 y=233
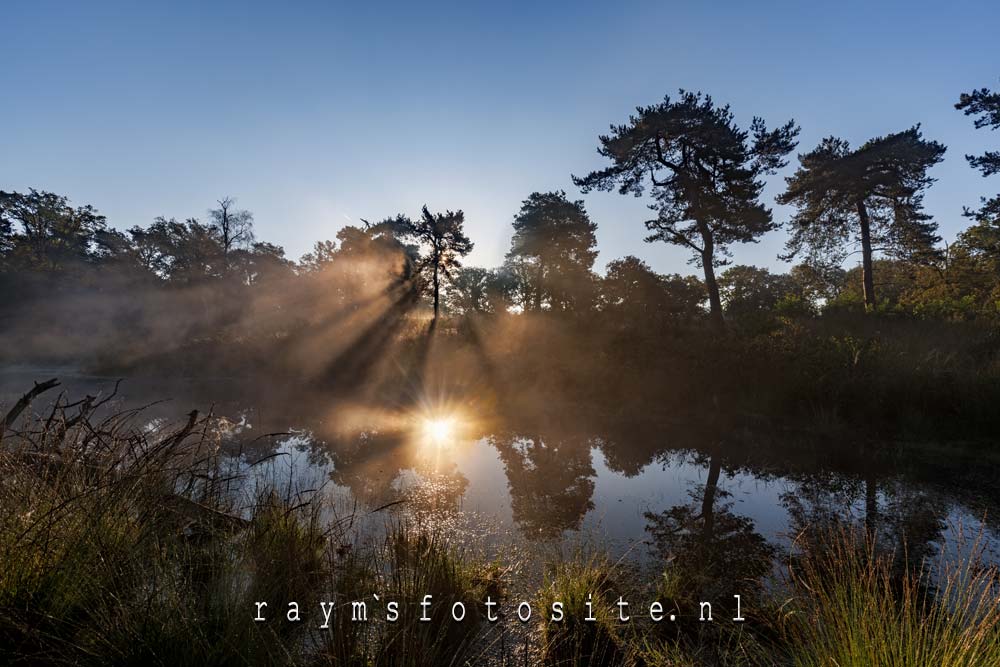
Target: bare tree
x=233 y=227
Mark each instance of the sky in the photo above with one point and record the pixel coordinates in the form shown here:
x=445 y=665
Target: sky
x=314 y=115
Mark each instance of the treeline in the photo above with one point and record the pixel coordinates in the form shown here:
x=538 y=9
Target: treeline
x=63 y=270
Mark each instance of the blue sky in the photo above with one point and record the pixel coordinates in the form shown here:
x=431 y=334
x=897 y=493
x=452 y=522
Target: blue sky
x=314 y=115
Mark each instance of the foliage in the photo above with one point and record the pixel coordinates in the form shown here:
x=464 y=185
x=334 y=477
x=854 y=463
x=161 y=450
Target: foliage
x=557 y=239
x=441 y=236
x=632 y=290
x=984 y=105
x=704 y=172
x=871 y=197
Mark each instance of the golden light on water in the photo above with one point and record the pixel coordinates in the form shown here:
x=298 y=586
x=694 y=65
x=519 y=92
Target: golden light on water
x=439 y=430
x=441 y=427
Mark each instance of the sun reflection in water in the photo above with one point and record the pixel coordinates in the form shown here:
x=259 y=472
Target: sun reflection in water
x=439 y=430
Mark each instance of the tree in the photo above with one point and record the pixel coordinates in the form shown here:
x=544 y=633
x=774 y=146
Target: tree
x=872 y=197
x=233 y=228
x=323 y=253
x=985 y=105
x=472 y=290
x=704 y=173
x=517 y=278
x=442 y=237
x=261 y=262
x=371 y=260
x=181 y=252
x=982 y=241
x=973 y=268
x=750 y=291
x=7 y=238
x=629 y=284
x=40 y=230
x=557 y=237
x=631 y=288
x=816 y=283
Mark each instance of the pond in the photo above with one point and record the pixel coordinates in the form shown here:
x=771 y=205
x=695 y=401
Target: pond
x=634 y=484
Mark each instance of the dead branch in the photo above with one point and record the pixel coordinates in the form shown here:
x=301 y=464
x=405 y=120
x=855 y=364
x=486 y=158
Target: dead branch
x=24 y=402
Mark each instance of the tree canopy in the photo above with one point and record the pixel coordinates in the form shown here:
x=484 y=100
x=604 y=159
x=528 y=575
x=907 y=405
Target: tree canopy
x=984 y=106
x=870 y=197
x=558 y=239
x=704 y=173
x=40 y=231
x=441 y=237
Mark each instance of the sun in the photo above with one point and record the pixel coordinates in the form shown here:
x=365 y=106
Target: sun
x=439 y=430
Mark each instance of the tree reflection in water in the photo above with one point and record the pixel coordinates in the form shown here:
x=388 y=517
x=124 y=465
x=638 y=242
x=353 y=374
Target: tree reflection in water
x=386 y=467
x=899 y=519
x=708 y=552
x=551 y=482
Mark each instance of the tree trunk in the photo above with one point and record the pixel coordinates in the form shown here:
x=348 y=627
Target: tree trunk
x=708 y=500
x=866 y=256
x=871 y=505
x=711 y=284
x=436 y=291
x=538 y=286
x=24 y=402
x=714 y=300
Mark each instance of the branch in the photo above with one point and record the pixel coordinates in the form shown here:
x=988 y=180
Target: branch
x=652 y=177
x=25 y=401
x=681 y=239
x=660 y=157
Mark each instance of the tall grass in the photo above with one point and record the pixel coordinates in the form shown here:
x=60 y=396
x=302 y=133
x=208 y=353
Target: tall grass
x=130 y=546
x=853 y=606
x=124 y=544
x=587 y=586
x=410 y=562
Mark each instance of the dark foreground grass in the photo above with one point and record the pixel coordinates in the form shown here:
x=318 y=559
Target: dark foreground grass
x=125 y=543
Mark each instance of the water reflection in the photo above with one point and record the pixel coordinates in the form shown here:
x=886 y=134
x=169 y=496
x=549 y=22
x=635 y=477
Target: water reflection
x=707 y=550
x=551 y=481
x=714 y=497
x=902 y=519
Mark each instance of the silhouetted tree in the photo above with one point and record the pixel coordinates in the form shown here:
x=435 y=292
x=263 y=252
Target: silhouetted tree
x=872 y=197
x=42 y=232
x=630 y=287
x=181 y=252
x=704 y=173
x=320 y=257
x=630 y=283
x=517 y=278
x=233 y=227
x=749 y=291
x=984 y=104
x=558 y=239
x=442 y=237
x=261 y=262
x=470 y=290
x=369 y=261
